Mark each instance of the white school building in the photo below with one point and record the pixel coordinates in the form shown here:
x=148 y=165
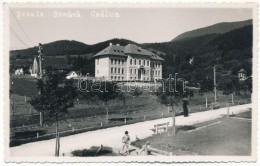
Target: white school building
x=128 y=62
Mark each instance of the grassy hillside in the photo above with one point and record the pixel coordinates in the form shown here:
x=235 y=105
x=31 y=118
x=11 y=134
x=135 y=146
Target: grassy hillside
x=219 y=28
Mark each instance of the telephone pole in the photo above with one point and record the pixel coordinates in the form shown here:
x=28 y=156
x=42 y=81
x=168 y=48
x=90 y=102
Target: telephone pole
x=215 y=85
x=40 y=77
x=40 y=59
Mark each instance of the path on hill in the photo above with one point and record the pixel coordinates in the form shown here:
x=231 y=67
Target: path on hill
x=112 y=136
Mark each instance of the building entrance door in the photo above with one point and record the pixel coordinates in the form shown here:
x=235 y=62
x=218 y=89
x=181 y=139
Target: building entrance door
x=139 y=74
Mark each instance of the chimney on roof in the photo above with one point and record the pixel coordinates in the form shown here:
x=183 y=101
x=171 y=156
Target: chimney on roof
x=110 y=44
x=117 y=44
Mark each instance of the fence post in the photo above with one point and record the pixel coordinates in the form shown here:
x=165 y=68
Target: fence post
x=232 y=96
x=101 y=124
x=156 y=129
x=73 y=129
x=168 y=109
x=25 y=98
x=41 y=122
x=162 y=114
x=30 y=111
x=37 y=135
x=227 y=110
x=206 y=102
x=125 y=120
x=144 y=117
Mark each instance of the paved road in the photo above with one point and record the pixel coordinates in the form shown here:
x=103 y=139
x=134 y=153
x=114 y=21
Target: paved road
x=112 y=136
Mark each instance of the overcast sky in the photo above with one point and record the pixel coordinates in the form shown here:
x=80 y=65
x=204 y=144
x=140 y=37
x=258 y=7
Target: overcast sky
x=139 y=25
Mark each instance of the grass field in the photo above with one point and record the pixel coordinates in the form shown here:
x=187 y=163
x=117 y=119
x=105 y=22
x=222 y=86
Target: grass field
x=219 y=137
x=87 y=116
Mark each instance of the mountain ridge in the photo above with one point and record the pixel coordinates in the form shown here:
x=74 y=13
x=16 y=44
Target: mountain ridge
x=218 y=28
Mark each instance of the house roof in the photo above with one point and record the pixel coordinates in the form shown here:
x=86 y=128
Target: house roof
x=112 y=50
x=77 y=72
x=128 y=49
x=242 y=71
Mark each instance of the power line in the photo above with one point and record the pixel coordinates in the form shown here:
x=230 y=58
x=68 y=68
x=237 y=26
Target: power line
x=20 y=26
x=15 y=35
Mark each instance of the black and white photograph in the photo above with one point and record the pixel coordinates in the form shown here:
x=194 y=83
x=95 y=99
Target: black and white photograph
x=165 y=82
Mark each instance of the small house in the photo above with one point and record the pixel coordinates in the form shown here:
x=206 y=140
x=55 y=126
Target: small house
x=242 y=75
x=72 y=74
x=19 y=71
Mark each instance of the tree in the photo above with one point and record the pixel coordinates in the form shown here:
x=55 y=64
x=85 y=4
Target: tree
x=228 y=84
x=169 y=94
x=106 y=91
x=56 y=97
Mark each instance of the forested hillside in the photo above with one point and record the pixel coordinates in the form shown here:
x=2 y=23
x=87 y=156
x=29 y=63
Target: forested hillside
x=230 y=51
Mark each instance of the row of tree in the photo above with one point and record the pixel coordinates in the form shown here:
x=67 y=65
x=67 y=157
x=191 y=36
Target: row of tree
x=58 y=94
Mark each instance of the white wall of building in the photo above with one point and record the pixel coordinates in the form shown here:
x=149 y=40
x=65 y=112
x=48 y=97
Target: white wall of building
x=102 y=67
x=107 y=68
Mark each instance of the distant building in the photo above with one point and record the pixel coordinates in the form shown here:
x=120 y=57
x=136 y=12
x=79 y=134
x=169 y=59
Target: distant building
x=54 y=63
x=128 y=62
x=73 y=74
x=19 y=72
x=242 y=75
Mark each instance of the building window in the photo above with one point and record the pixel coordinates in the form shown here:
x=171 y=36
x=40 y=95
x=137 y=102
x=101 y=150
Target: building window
x=135 y=71
x=148 y=72
x=115 y=77
x=112 y=69
x=131 y=71
x=130 y=78
x=159 y=64
x=118 y=70
x=118 y=78
x=144 y=72
x=144 y=62
x=140 y=62
x=112 y=61
x=119 y=61
x=123 y=61
x=115 y=61
x=115 y=70
x=122 y=71
x=122 y=78
x=135 y=62
x=147 y=63
x=131 y=62
x=158 y=73
x=111 y=77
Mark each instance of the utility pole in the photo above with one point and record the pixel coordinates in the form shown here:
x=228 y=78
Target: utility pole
x=215 y=85
x=40 y=77
x=40 y=59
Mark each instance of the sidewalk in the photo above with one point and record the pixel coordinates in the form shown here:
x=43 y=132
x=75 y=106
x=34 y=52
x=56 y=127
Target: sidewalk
x=112 y=136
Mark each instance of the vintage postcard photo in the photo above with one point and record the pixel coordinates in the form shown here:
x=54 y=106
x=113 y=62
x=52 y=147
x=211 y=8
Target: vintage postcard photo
x=130 y=82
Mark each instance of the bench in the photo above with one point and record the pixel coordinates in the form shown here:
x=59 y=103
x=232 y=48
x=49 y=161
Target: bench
x=161 y=126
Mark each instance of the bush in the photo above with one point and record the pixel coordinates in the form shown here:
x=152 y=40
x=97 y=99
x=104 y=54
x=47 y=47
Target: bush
x=92 y=152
